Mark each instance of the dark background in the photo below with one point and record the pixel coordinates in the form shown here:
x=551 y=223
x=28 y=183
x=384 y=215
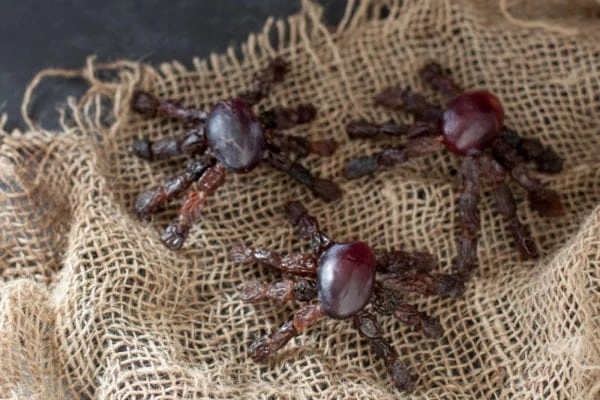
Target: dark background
x=63 y=33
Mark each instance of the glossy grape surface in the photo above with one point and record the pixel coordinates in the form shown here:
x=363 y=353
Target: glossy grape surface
x=472 y=120
x=234 y=135
x=346 y=277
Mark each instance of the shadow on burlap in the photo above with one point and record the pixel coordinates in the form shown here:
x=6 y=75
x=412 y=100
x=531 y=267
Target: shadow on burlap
x=93 y=306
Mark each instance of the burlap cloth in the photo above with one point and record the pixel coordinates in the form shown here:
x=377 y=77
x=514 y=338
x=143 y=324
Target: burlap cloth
x=92 y=305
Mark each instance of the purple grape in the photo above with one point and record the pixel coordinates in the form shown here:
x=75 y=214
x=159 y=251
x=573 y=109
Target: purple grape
x=235 y=135
x=472 y=120
x=346 y=277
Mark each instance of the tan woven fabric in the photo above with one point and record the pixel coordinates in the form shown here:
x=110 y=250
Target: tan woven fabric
x=92 y=305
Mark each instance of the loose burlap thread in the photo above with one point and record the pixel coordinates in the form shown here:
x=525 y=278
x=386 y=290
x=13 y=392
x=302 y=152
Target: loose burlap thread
x=92 y=305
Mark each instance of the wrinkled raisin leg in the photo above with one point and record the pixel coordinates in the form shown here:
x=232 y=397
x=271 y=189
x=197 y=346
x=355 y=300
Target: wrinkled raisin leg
x=468 y=216
x=546 y=159
x=175 y=234
x=543 y=200
x=265 y=80
x=395 y=98
x=505 y=203
x=386 y=302
x=398 y=261
x=418 y=147
x=402 y=271
x=307 y=227
x=152 y=200
x=447 y=285
x=279 y=118
x=297 y=264
x=267 y=346
x=433 y=74
x=151 y=106
x=425 y=135
x=287 y=117
x=281 y=142
x=191 y=143
x=362 y=129
x=411 y=316
x=370 y=329
x=282 y=291
x=323 y=188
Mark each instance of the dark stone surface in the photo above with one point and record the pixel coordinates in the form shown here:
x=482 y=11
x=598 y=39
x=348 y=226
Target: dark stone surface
x=62 y=33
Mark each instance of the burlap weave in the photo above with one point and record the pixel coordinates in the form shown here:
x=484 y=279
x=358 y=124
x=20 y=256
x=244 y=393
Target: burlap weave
x=92 y=305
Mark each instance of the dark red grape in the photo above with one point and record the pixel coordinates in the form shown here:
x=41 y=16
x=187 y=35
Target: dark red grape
x=346 y=277
x=234 y=135
x=472 y=120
